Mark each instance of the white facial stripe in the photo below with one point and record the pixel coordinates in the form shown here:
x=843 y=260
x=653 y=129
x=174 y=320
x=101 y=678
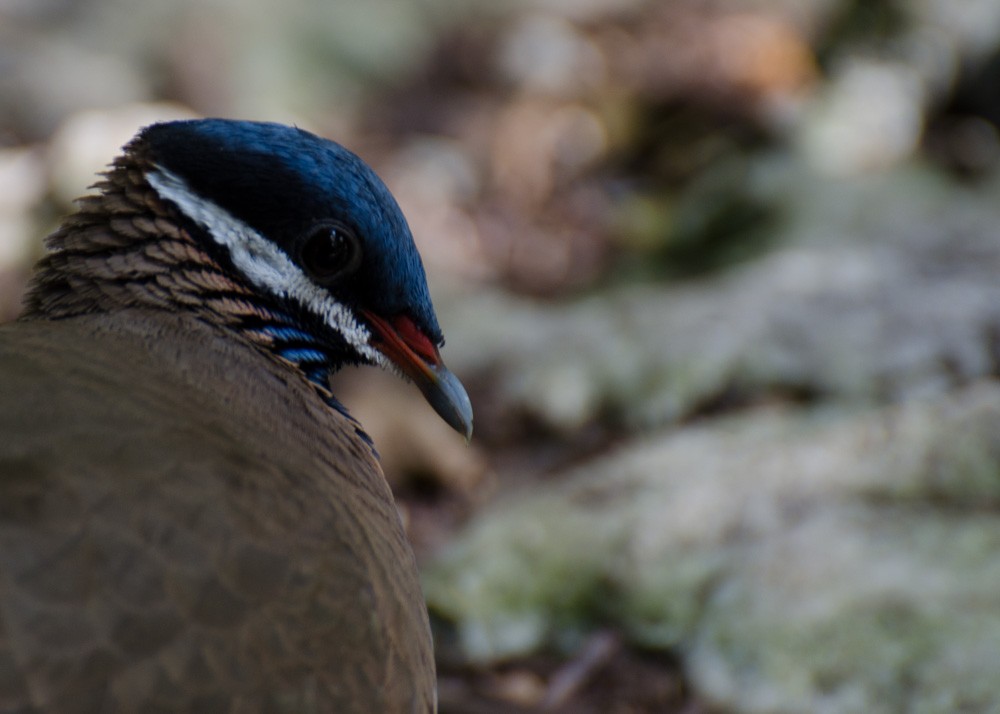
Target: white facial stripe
x=262 y=262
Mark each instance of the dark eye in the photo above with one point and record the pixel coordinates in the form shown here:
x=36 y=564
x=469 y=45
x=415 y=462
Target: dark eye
x=330 y=251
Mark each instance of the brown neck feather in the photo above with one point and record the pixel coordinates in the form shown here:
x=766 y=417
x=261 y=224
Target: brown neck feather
x=124 y=248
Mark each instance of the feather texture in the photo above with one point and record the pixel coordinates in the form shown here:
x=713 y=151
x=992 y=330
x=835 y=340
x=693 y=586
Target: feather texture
x=189 y=520
x=264 y=570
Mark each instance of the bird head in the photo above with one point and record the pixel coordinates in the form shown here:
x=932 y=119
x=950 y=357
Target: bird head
x=308 y=225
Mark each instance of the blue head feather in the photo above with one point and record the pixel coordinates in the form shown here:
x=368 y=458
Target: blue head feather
x=280 y=180
x=258 y=195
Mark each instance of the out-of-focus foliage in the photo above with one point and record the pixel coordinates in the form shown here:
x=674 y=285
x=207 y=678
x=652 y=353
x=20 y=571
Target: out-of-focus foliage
x=796 y=561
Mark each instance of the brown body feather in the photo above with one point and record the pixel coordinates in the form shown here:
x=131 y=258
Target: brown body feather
x=185 y=525
x=186 y=521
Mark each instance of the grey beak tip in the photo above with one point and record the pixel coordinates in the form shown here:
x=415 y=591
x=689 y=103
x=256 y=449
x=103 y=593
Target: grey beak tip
x=450 y=400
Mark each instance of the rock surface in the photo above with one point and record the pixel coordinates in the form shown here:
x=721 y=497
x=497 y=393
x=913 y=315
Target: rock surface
x=885 y=289
x=835 y=561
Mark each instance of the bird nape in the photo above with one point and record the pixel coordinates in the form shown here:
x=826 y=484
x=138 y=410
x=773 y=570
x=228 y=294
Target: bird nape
x=189 y=520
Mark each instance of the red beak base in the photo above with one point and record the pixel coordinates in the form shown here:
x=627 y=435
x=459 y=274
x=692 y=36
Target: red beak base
x=418 y=358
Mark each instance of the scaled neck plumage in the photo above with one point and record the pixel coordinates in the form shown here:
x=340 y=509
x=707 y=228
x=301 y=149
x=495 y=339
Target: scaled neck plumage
x=126 y=247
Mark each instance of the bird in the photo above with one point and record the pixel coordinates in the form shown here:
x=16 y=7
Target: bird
x=190 y=521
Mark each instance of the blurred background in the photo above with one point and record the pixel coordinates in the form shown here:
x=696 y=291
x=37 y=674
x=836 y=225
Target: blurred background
x=723 y=280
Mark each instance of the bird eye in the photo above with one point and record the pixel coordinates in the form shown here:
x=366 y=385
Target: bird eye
x=330 y=251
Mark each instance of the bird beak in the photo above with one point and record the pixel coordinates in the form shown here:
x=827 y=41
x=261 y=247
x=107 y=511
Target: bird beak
x=412 y=351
